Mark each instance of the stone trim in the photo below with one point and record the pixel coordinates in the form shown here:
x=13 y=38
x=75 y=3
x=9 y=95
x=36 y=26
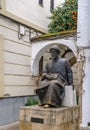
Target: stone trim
x=57 y=35
x=22 y=21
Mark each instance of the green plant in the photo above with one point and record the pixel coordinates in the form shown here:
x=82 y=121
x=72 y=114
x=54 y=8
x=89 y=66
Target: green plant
x=31 y=101
x=64 y=17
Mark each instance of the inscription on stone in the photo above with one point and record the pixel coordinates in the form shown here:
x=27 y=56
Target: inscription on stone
x=37 y=120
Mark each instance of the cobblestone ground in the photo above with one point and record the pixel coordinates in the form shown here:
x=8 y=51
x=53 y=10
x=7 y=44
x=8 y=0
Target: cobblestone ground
x=85 y=128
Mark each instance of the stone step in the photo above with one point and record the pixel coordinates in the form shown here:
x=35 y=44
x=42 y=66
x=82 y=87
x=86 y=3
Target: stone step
x=11 y=126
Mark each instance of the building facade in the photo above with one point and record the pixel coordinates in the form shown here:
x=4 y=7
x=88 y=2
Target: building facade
x=19 y=22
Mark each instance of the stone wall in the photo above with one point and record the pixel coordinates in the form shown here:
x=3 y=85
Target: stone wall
x=9 y=109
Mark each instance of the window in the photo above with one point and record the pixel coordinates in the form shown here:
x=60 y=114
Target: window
x=51 y=5
x=41 y=2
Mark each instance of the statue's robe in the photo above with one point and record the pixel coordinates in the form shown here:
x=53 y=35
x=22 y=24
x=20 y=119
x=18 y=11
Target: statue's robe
x=56 y=75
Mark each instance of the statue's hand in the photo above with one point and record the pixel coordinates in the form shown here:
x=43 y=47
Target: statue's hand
x=43 y=76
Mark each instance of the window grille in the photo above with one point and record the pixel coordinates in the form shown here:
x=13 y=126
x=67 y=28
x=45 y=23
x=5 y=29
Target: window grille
x=41 y=2
x=51 y=5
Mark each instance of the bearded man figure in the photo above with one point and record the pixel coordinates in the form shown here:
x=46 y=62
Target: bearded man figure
x=56 y=75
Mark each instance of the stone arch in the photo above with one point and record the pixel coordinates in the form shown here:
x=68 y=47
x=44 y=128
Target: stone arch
x=39 y=48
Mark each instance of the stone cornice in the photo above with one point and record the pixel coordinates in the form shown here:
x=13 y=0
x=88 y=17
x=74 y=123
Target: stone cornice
x=51 y=36
x=22 y=21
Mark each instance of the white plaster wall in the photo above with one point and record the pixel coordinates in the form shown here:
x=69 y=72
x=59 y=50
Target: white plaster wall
x=84 y=41
x=58 y=2
x=31 y=10
x=84 y=23
x=86 y=91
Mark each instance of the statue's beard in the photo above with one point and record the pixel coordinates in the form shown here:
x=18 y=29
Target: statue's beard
x=54 y=57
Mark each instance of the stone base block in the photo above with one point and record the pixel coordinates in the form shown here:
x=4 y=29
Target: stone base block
x=39 y=118
x=70 y=96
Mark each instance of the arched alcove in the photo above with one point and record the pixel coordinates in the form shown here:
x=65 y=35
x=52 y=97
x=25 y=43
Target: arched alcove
x=40 y=47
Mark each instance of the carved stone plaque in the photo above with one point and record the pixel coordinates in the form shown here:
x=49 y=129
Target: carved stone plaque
x=37 y=120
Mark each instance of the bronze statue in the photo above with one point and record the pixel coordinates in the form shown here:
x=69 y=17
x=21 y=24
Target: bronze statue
x=56 y=75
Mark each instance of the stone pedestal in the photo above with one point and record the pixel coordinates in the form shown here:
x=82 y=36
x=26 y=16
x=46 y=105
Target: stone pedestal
x=39 y=118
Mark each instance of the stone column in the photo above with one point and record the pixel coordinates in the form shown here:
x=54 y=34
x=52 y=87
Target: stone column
x=83 y=41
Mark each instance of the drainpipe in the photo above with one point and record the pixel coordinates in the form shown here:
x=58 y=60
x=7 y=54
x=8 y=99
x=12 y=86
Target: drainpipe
x=83 y=43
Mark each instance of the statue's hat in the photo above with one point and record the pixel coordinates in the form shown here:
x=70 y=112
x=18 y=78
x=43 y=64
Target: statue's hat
x=55 y=48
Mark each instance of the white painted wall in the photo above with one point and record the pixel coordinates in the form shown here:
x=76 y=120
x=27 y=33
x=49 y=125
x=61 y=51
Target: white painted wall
x=84 y=42
x=18 y=80
x=84 y=23
x=31 y=10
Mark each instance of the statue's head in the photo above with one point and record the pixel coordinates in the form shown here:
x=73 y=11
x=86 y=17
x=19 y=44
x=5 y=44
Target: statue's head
x=56 y=48
x=55 y=51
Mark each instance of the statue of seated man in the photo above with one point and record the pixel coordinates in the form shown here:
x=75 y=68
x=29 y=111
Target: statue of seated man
x=56 y=75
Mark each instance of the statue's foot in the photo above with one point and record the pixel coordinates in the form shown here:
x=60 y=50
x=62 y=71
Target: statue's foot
x=39 y=104
x=46 y=106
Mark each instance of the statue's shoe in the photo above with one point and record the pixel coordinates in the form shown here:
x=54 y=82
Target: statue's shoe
x=39 y=104
x=46 y=106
